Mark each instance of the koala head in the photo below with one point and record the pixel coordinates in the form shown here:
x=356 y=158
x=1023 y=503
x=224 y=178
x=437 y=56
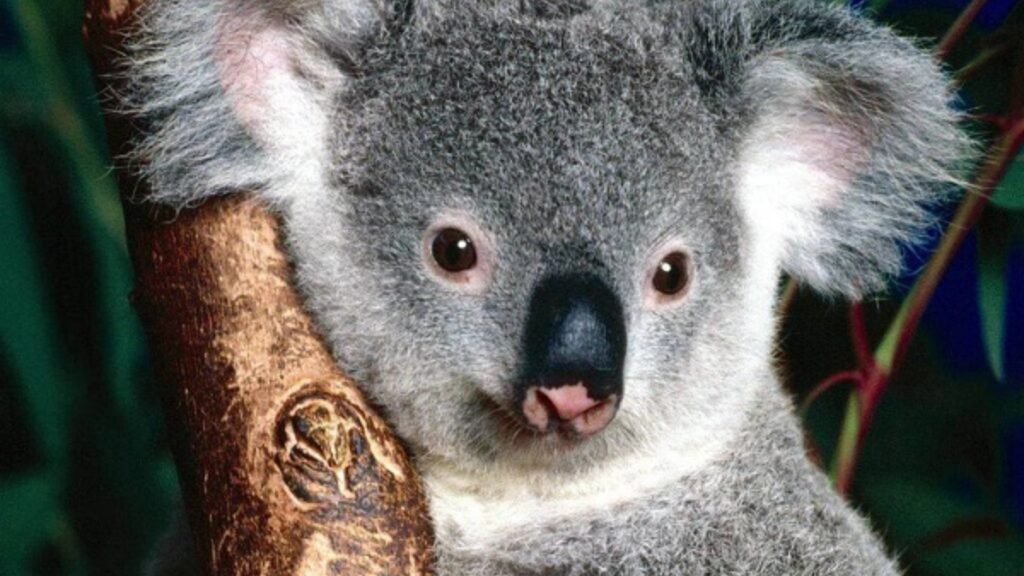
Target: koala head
x=549 y=233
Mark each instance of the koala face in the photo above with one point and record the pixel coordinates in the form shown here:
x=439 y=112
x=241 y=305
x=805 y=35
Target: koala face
x=547 y=234
x=598 y=245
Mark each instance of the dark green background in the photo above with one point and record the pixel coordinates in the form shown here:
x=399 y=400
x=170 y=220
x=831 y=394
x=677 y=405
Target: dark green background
x=87 y=484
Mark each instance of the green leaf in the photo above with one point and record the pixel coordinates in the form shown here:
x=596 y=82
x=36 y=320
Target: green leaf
x=932 y=528
x=32 y=512
x=28 y=326
x=1009 y=195
x=993 y=254
x=23 y=94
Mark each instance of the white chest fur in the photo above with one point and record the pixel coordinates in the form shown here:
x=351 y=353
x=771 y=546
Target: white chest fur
x=475 y=510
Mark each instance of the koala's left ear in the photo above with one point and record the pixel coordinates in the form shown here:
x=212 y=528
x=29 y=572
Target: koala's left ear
x=847 y=142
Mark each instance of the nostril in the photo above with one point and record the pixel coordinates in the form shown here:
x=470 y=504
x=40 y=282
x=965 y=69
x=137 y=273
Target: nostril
x=545 y=403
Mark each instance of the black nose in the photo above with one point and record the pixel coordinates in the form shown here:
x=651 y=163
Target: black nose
x=575 y=333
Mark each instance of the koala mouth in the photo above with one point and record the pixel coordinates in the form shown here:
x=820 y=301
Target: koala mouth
x=559 y=420
x=567 y=410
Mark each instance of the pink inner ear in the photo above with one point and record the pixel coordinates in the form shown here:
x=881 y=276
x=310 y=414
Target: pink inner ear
x=791 y=168
x=831 y=150
x=254 y=61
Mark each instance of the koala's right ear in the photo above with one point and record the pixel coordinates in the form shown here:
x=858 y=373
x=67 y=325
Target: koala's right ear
x=234 y=94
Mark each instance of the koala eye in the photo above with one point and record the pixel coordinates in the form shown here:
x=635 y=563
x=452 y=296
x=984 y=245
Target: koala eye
x=672 y=274
x=453 y=250
x=458 y=254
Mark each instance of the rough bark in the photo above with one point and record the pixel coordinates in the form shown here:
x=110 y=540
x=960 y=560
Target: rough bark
x=285 y=467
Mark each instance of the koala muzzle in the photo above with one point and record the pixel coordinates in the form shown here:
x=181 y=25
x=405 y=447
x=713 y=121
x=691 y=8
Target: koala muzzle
x=574 y=350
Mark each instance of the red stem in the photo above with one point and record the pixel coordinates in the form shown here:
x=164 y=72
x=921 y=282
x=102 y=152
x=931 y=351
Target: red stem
x=966 y=217
x=875 y=371
x=828 y=383
x=871 y=387
x=865 y=361
x=876 y=378
x=959 y=28
x=859 y=334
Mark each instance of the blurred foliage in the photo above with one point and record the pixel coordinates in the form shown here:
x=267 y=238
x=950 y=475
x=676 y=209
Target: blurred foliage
x=942 y=471
x=86 y=482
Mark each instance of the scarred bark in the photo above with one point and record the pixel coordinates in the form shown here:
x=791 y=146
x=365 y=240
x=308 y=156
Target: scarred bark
x=285 y=467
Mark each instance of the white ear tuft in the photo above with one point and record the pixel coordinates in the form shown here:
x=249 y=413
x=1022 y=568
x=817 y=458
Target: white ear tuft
x=796 y=163
x=850 y=144
x=789 y=173
x=257 y=73
x=268 y=80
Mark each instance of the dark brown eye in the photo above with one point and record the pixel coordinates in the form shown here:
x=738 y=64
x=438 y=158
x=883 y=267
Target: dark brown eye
x=453 y=250
x=672 y=274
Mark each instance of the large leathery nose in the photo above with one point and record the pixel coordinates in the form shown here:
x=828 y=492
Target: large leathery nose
x=575 y=337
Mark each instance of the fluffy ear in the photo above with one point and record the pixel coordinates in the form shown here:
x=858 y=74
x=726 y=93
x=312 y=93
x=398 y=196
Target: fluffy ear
x=235 y=94
x=847 y=139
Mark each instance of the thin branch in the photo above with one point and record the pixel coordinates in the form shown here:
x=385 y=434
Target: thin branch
x=844 y=463
x=1001 y=157
x=859 y=334
x=827 y=384
x=863 y=402
x=961 y=76
x=959 y=28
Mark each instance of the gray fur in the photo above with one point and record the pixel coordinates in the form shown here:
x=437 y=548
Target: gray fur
x=579 y=137
x=763 y=509
x=176 y=92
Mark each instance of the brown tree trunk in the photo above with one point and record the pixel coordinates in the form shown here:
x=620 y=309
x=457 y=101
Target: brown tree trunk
x=285 y=467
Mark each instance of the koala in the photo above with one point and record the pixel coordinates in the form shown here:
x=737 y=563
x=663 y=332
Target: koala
x=546 y=236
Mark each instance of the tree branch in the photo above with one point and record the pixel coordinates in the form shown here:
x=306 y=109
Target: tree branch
x=285 y=467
